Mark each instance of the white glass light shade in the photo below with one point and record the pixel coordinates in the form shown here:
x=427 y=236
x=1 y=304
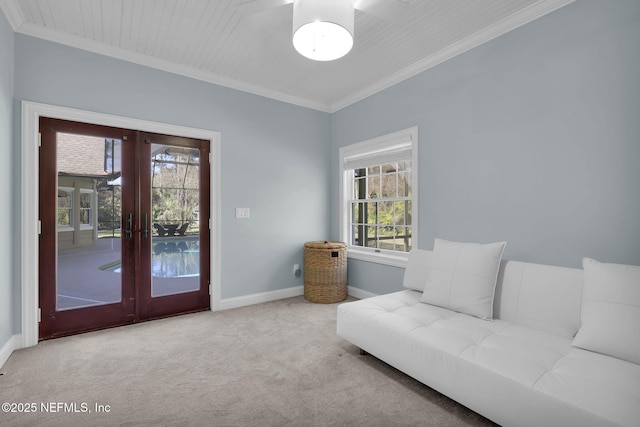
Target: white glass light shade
x=323 y=29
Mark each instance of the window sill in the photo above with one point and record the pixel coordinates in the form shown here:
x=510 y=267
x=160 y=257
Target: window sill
x=395 y=260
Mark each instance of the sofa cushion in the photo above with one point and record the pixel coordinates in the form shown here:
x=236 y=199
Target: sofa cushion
x=462 y=277
x=415 y=275
x=610 y=315
x=603 y=385
x=542 y=297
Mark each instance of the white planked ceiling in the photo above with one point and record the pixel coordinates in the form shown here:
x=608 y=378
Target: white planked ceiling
x=214 y=41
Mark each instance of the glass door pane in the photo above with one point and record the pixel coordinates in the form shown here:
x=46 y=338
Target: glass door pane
x=175 y=206
x=88 y=221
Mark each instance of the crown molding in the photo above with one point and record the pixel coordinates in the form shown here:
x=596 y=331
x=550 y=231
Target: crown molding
x=72 y=40
x=518 y=19
x=13 y=13
x=503 y=26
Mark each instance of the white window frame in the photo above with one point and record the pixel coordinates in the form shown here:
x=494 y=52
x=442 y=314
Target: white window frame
x=92 y=206
x=71 y=209
x=369 y=147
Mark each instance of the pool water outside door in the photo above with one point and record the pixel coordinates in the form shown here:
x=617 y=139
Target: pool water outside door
x=124 y=226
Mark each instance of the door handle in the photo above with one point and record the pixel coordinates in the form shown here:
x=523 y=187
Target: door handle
x=145 y=229
x=129 y=224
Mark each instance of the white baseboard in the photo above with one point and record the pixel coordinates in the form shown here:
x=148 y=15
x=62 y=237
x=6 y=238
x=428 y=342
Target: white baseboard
x=360 y=293
x=11 y=345
x=243 y=301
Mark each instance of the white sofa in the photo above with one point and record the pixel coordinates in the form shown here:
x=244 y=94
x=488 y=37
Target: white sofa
x=519 y=369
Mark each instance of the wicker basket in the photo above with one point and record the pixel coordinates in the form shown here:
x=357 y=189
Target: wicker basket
x=325 y=272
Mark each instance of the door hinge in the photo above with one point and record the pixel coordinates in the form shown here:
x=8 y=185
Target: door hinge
x=209 y=223
x=39 y=227
x=39 y=314
x=39 y=139
x=209 y=288
x=210 y=158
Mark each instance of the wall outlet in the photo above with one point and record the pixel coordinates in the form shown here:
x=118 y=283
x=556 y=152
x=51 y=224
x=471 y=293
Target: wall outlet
x=296 y=270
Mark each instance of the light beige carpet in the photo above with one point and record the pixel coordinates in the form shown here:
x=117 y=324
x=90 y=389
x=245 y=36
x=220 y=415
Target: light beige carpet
x=274 y=364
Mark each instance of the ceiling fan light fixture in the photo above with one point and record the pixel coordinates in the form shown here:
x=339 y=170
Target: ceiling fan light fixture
x=323 y=29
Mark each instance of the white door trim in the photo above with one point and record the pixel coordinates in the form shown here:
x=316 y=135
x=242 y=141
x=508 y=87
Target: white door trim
x=31 y=113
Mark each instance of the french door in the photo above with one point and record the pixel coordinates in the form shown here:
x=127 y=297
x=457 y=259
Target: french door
x=124 y=226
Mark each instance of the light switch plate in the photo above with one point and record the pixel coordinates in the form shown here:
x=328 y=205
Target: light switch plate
x=242 y=212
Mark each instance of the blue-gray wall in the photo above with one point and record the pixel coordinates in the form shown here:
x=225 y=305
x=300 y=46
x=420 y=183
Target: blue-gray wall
x=532 y=138
x=6 y=123
x=275 y=156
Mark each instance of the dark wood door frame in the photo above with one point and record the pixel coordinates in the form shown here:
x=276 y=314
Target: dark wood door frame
x=54 y=323
x=136 y=304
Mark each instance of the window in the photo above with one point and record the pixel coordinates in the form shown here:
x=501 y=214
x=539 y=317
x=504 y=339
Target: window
x=86 y=208
x=65 y=207
x=68 y=209
x=379 y=197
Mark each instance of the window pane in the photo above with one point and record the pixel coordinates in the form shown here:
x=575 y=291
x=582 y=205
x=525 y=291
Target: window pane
x=389 y=168
x=175 y=187
x=385 y=213
x=402 y=240
x=85 y=200
x=408 y=189
x=372 y=237
x=372 y=213
x=65 y=199
x=85 y=216
x=65 y=204
x=373 y=188
x=64 y=217
x=399 y=212
x=388 y=185
x=386 y=236
x=175 y=210
x=356 y=209
x=88 y=255
x=360 y=188
x=359 y=235
x=404 y=182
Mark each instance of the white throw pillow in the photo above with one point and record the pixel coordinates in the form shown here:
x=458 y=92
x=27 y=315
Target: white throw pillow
x=463 y=277
x=417 y=269
x=610 y=313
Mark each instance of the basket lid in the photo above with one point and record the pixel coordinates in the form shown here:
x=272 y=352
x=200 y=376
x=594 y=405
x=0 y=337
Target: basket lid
x=325 y=244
